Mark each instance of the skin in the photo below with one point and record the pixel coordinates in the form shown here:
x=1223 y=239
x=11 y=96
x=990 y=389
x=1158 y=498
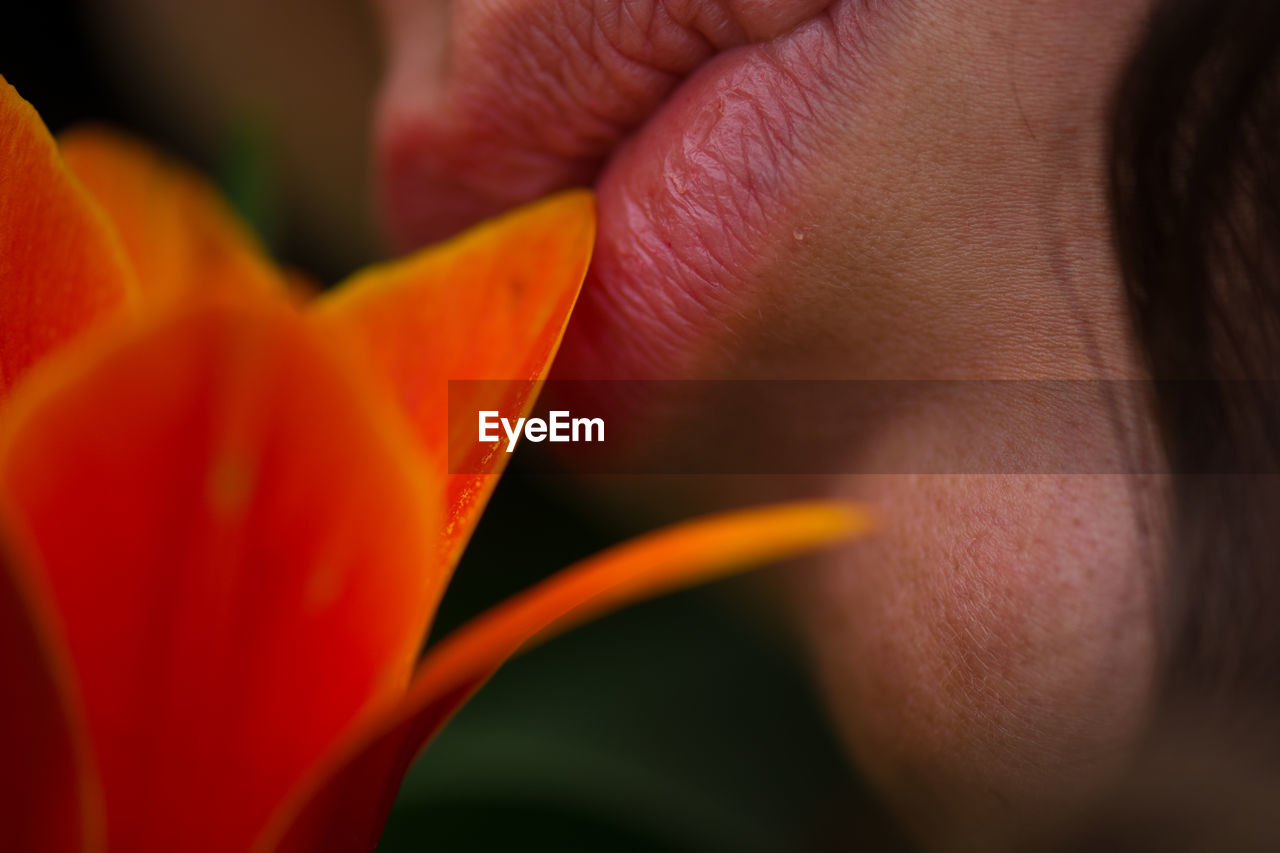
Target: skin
x=858 y=189
x=871 y=190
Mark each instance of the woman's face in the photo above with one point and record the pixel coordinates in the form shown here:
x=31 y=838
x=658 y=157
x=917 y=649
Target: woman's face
x=857 y=190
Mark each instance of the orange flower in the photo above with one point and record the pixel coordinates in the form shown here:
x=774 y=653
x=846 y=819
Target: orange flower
x=226 y=516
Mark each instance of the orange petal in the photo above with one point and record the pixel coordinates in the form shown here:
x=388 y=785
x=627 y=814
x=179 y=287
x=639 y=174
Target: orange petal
x=180 y=235
x=491 y=304
x=50 y=800
x=344 y=805
x=234 y=533
x=62 y=269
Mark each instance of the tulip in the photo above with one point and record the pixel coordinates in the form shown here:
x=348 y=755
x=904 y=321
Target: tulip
x=226 y=512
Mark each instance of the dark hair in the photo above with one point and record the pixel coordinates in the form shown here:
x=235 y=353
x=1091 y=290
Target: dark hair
x=1196 y=205
x=1195 y=199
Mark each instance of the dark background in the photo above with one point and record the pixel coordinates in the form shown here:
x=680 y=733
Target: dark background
x=684 y=724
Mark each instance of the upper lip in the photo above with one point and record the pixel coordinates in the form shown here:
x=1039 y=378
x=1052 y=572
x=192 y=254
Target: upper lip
x=692 y=201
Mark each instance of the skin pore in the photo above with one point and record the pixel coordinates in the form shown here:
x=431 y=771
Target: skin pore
x=856 y=190
x=907 y=190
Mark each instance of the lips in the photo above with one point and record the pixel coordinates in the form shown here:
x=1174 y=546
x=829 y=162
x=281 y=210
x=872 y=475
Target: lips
x=688 y=208
x=693 y=203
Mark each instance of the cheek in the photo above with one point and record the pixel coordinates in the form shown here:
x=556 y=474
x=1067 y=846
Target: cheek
x=952 y=220
x=987 y=658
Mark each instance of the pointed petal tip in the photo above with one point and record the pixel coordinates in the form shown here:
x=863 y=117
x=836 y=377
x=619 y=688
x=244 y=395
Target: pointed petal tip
x=352 y=788
x=180 y=233
x=490 y=304
x=63 y=269
x=826 y=520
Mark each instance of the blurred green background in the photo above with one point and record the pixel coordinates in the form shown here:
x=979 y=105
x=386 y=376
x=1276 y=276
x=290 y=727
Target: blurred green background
x=684 y=725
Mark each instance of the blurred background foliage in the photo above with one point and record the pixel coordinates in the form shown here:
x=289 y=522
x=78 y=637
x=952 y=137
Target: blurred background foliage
x=684 y=725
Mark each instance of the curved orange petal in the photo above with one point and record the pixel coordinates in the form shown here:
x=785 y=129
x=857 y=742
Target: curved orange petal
x=491 y=304
x=180 y=235
x=50 y=800
x=62 y=269
x=235 y=535
x=345 y=804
